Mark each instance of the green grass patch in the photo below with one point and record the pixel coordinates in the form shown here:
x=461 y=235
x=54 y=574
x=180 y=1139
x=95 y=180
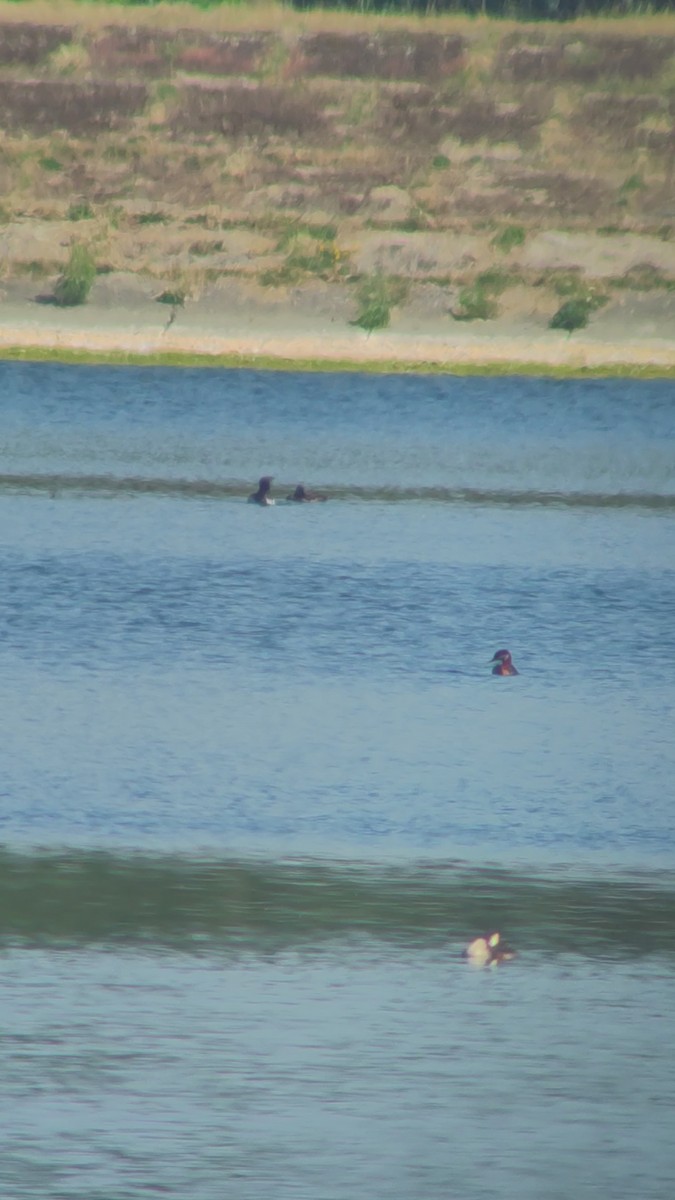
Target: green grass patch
x=307 y=257
x=322 y=233
x=440 y=161
x=166 y=91
x=202 y=249
x=634 y=183
x=508 y=238
x=475 y=304
x=288 y=232
x=152 y=218
x=323 y=366
x=417 y=222
x=376 y=296
x=175 y=298
x=575 y=313
x=478 y=300
x=629 y=188
x=74 y=285
x=81 y=210
x=49 y=163
x=580 y=299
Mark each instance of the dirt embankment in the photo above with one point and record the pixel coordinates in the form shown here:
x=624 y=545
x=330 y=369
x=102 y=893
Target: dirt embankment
x=479 y=171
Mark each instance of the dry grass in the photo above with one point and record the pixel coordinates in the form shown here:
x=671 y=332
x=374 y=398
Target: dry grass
x=481 y=30
x=292 y=121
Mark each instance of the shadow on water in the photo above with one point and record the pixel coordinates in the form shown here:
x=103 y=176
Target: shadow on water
x=198 y=905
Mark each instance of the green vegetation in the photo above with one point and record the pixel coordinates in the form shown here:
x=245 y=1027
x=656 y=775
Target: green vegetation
x=306 y=257
x=516 y=10
x=581 y=298
x=571 y=315
x=475 y=304
x=152 y=218
x=509 y=237
x=629 y=188
x=574 y=313
x=203 y=249
x=414 y=223
x=48 y=163
x=175 y=298
x=377 y=295
x=291 y=231
x=523 y=10
x=74 y=284
x=633 y=184
x=81 y=210
x=318 y=366
x=477 y=301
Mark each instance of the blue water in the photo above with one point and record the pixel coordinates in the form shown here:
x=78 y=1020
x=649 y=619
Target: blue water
x=259 y=785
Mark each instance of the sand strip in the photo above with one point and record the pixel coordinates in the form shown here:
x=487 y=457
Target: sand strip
x=101 y=334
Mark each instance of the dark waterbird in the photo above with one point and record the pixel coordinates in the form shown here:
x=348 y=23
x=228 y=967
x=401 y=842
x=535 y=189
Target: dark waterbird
x=262 y=496
x=488 y=951
x=503 y=664
x=302 y=496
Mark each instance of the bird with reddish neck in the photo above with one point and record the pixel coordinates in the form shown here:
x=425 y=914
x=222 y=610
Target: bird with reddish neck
x=503 y=663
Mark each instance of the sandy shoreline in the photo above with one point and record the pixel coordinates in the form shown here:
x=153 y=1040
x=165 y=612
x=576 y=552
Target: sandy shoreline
x=287 y=337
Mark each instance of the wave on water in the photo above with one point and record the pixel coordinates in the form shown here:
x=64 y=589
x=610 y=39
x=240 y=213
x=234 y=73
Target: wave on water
x=195 y=905
x=112 y=485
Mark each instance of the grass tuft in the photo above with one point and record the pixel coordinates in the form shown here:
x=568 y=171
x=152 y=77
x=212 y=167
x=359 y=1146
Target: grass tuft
x=575 y=313
x=175 y=298
x=81 y=210
x=49 y=163
x=74 y=285
x=477 y=301
x=508 y=238
x=306 y=257
x=376 y=296
x=152 y=218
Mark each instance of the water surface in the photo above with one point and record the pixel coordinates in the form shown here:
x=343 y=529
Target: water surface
x=259 y=786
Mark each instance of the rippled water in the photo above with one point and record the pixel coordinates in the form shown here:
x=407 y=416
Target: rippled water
x=259 y=786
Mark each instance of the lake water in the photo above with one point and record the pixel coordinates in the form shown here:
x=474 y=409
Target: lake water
x=259 y=786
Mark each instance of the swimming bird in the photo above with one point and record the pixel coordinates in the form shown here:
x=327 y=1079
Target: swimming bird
x=302 y=496
x=503 y=664
x=488 y=951
x=262 y=496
